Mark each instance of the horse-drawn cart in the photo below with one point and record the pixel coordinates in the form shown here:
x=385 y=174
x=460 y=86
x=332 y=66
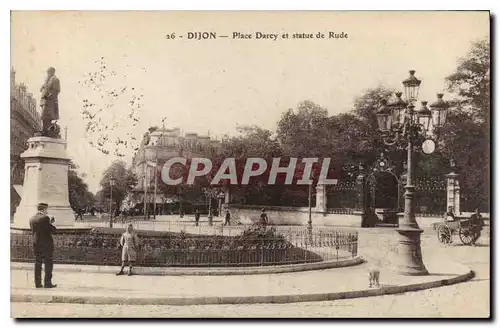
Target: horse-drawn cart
x=467 y=231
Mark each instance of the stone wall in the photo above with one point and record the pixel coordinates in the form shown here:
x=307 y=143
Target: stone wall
x=283 y=215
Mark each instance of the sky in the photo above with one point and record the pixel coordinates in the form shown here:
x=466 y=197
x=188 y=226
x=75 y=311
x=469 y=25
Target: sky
x=216 y=85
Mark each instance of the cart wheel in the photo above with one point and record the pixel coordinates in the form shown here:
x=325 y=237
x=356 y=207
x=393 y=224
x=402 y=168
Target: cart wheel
x=444 y=234
x=466 y=236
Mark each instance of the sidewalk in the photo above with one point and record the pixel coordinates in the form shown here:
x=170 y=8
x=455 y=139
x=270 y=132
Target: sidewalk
x=328 y=284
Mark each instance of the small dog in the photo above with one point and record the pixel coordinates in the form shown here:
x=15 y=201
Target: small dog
x=374 y=275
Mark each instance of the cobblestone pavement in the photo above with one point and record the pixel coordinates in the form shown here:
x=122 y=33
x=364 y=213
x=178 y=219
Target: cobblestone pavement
x=470 y=299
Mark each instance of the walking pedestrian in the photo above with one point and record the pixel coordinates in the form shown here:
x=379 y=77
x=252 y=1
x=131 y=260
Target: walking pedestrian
x=130 y=244
x=228 y=218
x=196 y=217
x=43 y=245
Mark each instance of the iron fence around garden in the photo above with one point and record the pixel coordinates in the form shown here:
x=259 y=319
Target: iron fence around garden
x=188 y=226
x=252 y=247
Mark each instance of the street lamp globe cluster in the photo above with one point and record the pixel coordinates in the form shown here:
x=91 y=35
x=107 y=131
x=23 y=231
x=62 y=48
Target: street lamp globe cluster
x=398 y=121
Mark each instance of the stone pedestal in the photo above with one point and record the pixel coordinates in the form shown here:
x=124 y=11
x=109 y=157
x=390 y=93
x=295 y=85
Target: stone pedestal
x=453 y=192
x=457 y=197
x=361 y=194
x=45 y=181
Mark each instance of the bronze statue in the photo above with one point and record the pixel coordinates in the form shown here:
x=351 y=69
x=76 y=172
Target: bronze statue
x=50 y=105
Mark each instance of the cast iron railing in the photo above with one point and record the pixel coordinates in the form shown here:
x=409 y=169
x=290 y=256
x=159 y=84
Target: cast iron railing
x=253 y=247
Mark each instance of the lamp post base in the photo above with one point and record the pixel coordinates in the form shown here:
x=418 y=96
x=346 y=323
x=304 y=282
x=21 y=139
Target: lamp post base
x=409 y=253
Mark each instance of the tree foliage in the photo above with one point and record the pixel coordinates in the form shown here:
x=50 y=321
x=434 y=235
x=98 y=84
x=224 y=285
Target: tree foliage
x=471 y=83
x=252 y=141
x=304 y=132
x=125 y=181
x=466 y=136
x=366 y=105
x=79 y=195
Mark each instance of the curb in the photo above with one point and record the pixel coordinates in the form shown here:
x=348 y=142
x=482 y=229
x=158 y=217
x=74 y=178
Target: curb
x=239 y=299
x=199 y=271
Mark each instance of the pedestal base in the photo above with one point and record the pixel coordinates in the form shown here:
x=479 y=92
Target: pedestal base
x=63 y=216
x=45 y=181
x=409 y=253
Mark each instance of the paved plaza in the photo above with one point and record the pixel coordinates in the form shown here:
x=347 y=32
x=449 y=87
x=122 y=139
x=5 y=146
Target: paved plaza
x=375 y=245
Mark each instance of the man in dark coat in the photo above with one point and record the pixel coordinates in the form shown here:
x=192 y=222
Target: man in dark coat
x=477 y=225
x=197 y=217
x=449 y=216
x=228 y=218
x=43 y=245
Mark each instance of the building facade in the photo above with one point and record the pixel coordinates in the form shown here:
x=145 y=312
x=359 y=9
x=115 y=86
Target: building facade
x=25 y=120
x=158 y=146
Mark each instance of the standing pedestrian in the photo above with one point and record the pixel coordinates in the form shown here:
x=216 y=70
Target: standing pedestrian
x=43 y=245
x=80 y=213
x=477 y=223
x=449 y=216
x=228 y=218
x=124 y=216
x=263 y=218
x=130 y=244
x=196 y=217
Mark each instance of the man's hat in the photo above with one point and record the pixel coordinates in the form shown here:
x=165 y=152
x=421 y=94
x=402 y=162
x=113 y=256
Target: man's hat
x=43 y=205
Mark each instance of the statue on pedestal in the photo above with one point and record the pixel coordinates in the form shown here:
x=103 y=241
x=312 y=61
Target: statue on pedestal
x=50 y=105
x=46 y=165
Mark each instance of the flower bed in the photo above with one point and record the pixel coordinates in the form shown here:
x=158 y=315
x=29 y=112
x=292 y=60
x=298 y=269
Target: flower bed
x=100 y=246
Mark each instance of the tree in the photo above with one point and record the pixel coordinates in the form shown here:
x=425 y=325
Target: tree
x=370 y=141
x=352 y=139
x=347 y=138
x=471 y=82
x=125 y=181
x=79 y=195
x=466 y=136
x=467 y=143
x=366 y=105
x=253 y=141
x=304 y=132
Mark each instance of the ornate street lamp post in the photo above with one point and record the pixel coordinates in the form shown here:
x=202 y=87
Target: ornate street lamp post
x=399 y=122
x=209 y=194
x=111 y=185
